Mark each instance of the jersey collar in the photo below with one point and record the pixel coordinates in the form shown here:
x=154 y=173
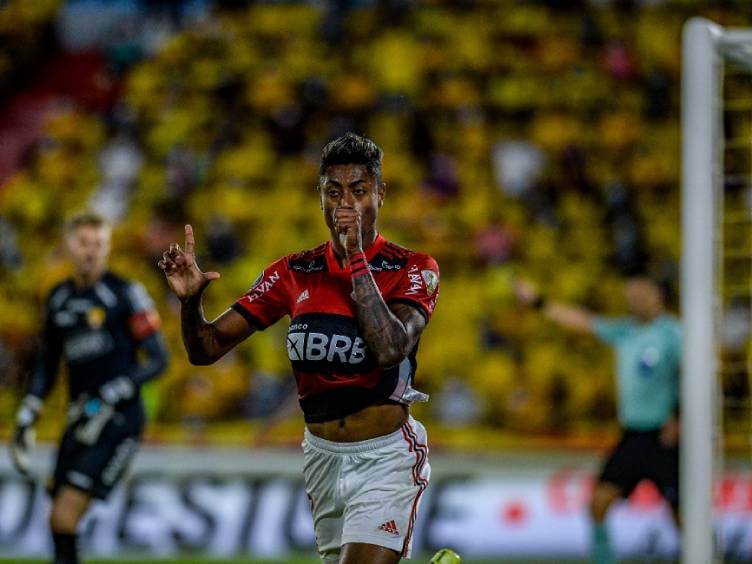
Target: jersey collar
x=333 y=264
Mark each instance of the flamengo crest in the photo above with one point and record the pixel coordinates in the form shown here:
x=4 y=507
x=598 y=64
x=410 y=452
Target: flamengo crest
x=431 y=279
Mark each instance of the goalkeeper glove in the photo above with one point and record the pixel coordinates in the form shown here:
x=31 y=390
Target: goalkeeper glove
x=119 y=389
x=23 y=436
x=93 y=415
x=97 y=412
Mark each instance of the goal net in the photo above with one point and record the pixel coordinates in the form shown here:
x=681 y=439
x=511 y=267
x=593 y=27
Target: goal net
x=716 y=283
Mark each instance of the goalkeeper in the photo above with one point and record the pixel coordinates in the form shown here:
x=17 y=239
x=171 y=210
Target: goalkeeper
x=97 y=322
x=648 y=353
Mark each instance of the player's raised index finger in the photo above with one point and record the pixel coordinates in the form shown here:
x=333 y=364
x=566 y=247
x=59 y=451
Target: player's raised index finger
x=189 y=242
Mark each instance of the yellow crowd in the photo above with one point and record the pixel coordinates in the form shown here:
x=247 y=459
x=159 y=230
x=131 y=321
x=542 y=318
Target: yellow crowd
x=231 y=116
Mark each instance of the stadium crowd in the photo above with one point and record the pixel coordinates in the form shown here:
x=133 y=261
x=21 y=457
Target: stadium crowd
x=531 y=139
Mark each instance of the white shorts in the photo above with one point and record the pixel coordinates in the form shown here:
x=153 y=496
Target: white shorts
x=367 y=491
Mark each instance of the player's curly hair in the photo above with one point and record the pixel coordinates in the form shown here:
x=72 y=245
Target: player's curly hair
x=352 y=149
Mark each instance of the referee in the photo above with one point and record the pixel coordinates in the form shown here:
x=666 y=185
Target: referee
x=98 y=323
x=648 y=355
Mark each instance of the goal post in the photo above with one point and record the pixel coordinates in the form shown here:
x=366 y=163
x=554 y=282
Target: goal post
x=706 y=48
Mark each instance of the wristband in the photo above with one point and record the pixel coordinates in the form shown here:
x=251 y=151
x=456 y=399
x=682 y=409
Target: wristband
x=358 y=265
x=539 y=302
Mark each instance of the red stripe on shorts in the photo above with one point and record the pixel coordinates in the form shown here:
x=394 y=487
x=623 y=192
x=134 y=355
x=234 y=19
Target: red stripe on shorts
x=421 y=455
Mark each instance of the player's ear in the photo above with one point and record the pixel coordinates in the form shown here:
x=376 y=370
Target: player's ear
x=321 y=196
x=382 y=193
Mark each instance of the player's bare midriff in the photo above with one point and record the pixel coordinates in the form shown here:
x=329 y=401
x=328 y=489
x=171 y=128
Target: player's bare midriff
x=368 y=423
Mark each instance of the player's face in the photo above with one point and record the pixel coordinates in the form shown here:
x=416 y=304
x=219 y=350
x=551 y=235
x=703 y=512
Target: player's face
x=351 y=186
x=643 y=298
x=89 y=248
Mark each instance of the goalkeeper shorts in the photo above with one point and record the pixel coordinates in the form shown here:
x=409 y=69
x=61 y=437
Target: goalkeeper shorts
x=96 y=468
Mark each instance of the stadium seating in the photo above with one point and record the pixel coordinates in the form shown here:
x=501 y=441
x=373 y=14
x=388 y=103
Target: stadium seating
x=521 y=139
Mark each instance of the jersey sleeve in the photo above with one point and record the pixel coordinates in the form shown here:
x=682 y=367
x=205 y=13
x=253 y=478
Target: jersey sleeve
x=611 y=331
x=45 y=368
x=143 y=319
x=266 y=302
x=418 y=285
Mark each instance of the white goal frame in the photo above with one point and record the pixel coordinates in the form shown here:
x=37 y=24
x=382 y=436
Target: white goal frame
x=705 y=47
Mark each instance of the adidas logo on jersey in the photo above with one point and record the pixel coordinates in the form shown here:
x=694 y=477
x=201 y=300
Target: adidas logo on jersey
x=304 y=295
x=389 y=527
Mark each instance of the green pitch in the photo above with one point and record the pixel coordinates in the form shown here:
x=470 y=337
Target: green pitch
x=300 y=560
x=308 y=560
x=294 y=560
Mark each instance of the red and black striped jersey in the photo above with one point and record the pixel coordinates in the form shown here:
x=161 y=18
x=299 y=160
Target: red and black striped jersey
x=336 y=374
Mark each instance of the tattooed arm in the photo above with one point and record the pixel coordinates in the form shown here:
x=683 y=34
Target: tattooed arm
x=208 y=341
x=204 y=341
x=391 y=332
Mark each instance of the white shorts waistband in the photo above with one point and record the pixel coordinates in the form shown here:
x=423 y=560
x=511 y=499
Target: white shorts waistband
x=358 y=446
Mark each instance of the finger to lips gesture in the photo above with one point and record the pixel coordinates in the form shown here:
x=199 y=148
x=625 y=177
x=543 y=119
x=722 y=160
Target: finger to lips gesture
x=183 y=274
x=347 y=222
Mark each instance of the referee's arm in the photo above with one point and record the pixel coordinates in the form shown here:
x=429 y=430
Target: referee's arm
x=570 y=317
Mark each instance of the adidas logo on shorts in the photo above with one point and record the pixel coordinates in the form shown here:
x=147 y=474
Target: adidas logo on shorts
x=389 y=527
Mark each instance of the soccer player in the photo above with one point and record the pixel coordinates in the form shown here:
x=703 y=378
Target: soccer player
x=357 y=306
x=648 y=355
x=97 y=322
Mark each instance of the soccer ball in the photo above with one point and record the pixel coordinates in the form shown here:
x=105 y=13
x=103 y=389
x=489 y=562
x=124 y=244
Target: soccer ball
x=446 y=556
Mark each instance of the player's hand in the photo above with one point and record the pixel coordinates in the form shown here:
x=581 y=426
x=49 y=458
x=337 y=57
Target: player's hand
x=525 y=291
x=23 y=436
x=20 y=447
x=92 y=420
x=670 y=432
x=183 y=274
x=347 y=221
x=118 y=389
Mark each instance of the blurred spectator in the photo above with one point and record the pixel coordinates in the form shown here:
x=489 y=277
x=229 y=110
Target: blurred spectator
x=120 y=163
x=10 y=254
x=456 y=405
x=222 y=243
x=442 y=180
x=517 y=166
x=735 y=333
x=494 y=243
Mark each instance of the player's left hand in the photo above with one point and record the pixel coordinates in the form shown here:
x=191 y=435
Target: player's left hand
x=116 y=390
x=347 y=221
